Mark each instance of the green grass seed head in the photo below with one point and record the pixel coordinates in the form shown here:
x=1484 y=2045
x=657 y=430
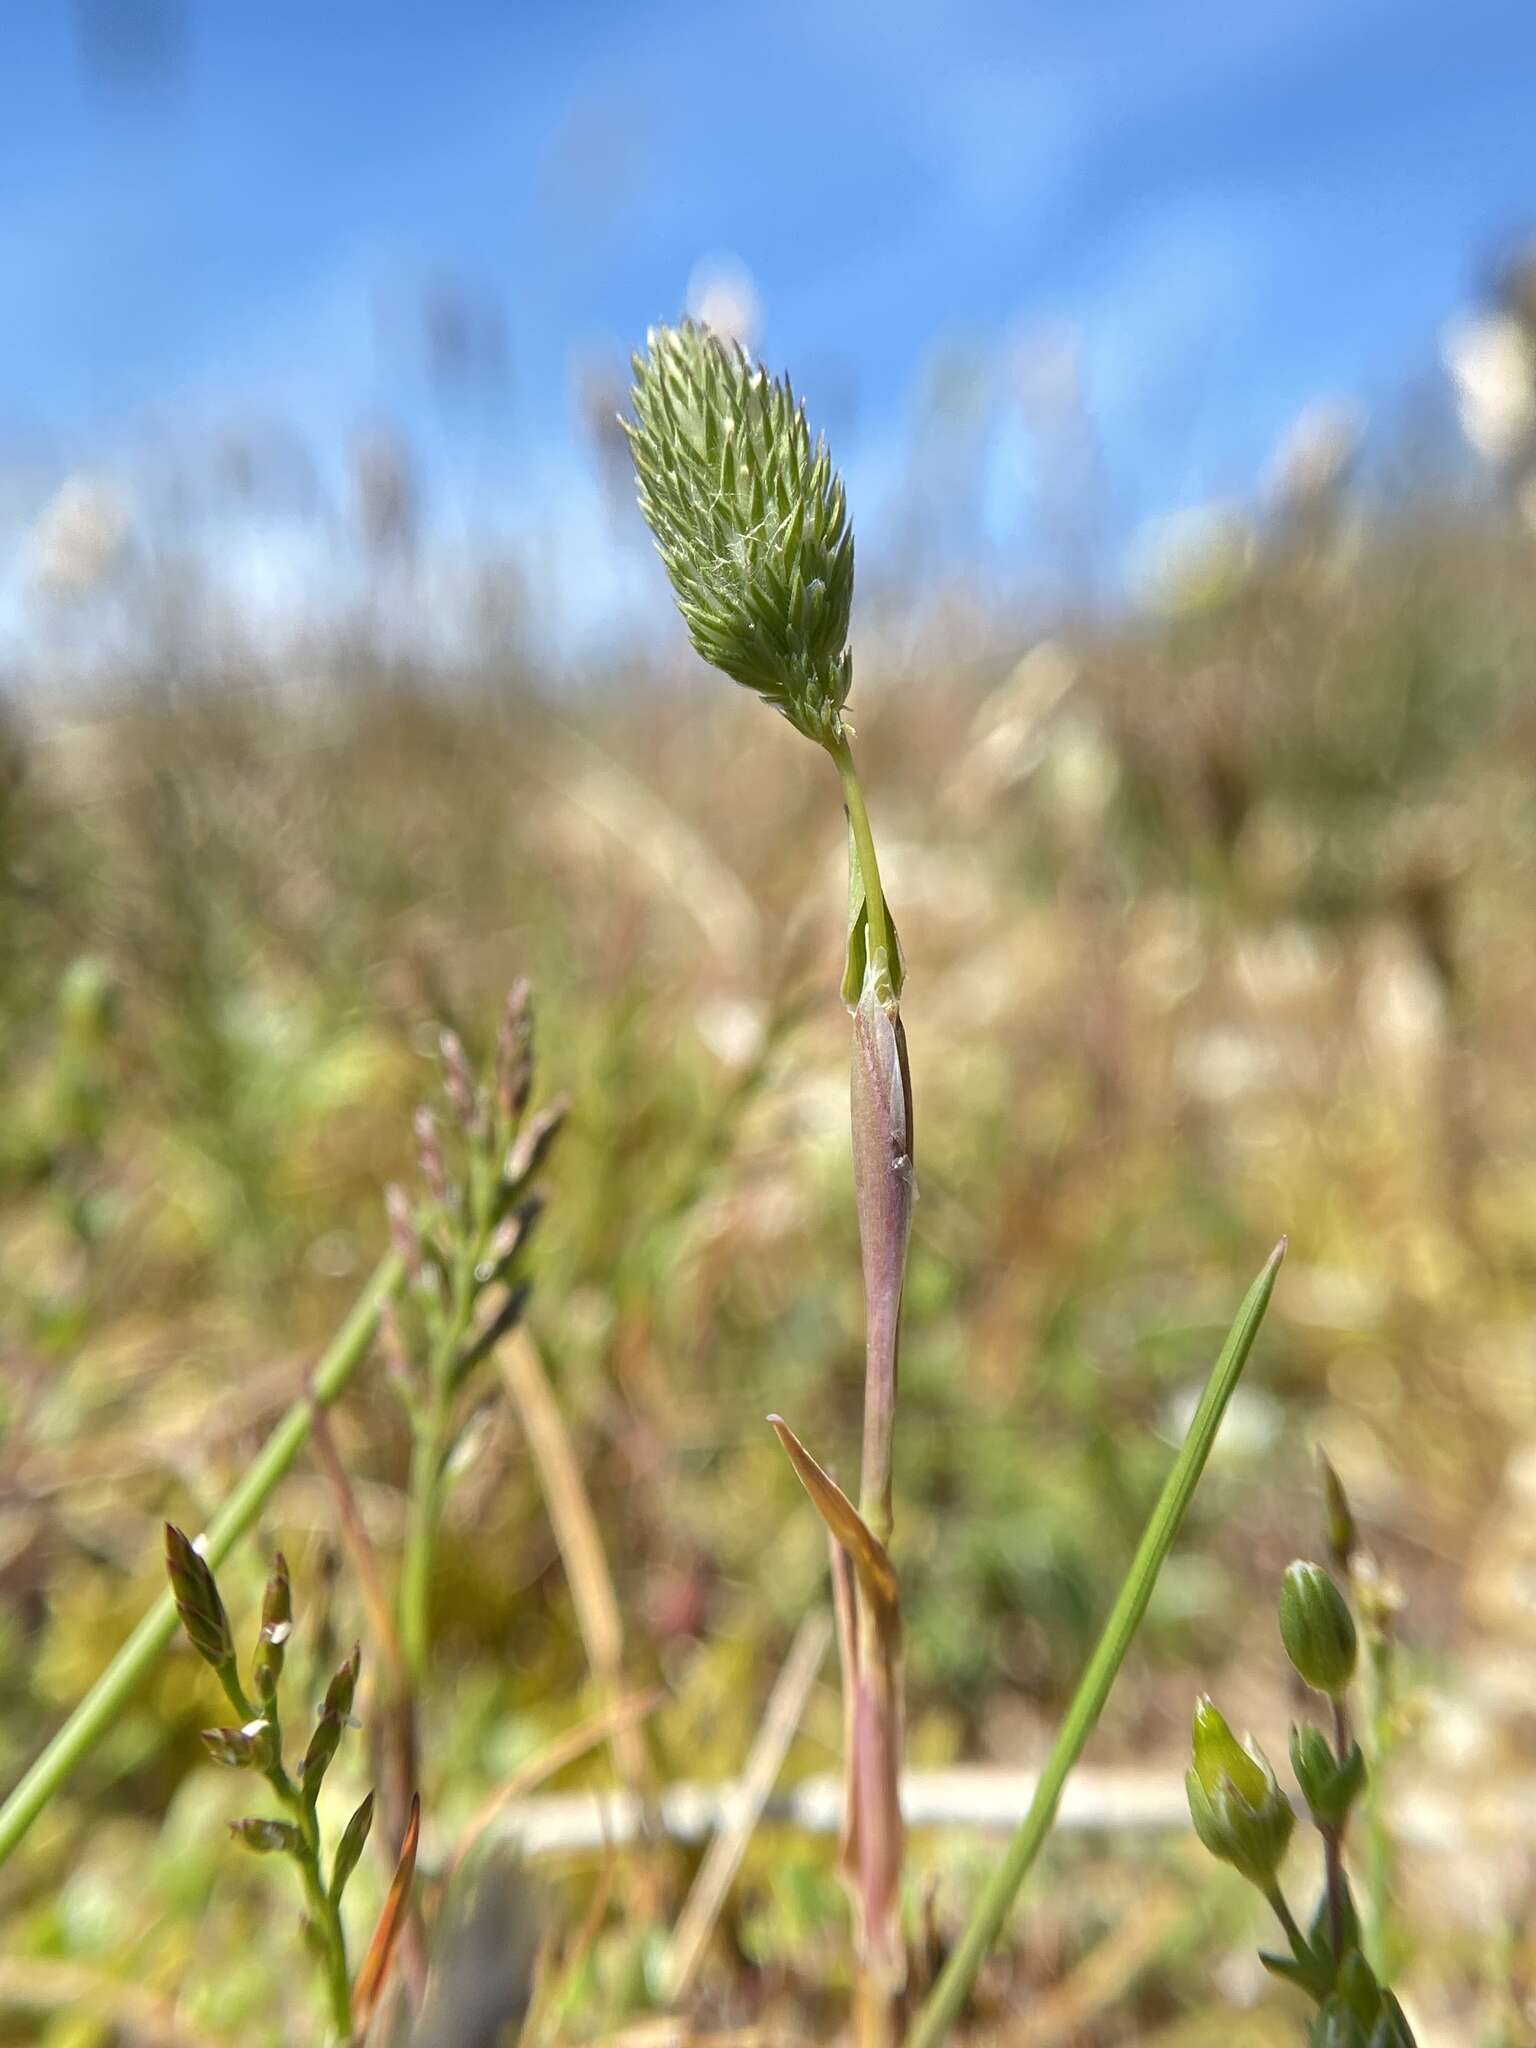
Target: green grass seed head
x=750 y=520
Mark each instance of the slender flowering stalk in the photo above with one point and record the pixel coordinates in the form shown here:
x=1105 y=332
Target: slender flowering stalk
x=1243 y=1818
x=256 y=1745
x=103 y=1705
x=751 y=522
x=463 y=1241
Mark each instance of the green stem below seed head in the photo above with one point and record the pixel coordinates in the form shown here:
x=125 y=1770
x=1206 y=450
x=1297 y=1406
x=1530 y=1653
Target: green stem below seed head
x=881 y=941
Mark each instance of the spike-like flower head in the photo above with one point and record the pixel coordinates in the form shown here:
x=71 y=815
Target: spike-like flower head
x=750 y=520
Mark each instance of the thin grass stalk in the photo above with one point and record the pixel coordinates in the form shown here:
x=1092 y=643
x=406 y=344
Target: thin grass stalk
x=751 y=522
x=463 y=1239
x=556 y=1754
x=949 y=1995
x=722 y=1860
x=580 y=1540
x=431 y=1440
x=392 y=1725
x=105 y=1701
x=880 y=1101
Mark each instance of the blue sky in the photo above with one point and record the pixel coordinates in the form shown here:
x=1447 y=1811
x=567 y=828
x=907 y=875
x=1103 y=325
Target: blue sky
x=1234 y=208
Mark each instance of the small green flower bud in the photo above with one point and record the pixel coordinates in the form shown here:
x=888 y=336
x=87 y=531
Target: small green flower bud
x=251 y=1748
x=267 y=1837
x=750 y=521
x=1343 y=1536
x=1219 y=1755
x=350 y=1847
x=198 y=1603
x=276 y=1627
x=530 y=1148
x=1317 y=1629
x=513 y=1074
x=1330 y=1785
x=1238 y=1810
x=323 y=1745
x=342 y=1689
x=326 y=1740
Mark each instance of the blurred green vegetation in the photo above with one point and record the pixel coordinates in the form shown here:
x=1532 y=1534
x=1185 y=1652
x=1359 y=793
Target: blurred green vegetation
x=1218 y=925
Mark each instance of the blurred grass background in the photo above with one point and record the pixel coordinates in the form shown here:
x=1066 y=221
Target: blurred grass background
x=1218 y=921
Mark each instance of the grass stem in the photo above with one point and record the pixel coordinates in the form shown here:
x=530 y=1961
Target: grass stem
x=864 y=845
x=324 y=1911
x=103 y=1705
x=976 y=1944
x=433 y=1427
x=422 y=1509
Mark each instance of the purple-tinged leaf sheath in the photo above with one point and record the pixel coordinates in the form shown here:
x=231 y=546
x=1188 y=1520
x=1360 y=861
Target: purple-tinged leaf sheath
x=881 y=1101
x=845 y=1612
x=877 y=1822
x=870 y=1641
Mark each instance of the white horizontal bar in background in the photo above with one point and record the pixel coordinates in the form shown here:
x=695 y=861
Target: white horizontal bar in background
x=985 y=1800
x=566 y=1823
